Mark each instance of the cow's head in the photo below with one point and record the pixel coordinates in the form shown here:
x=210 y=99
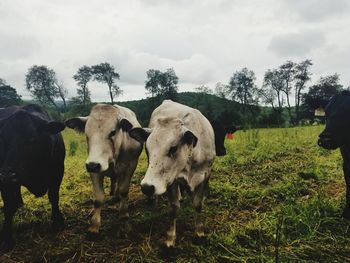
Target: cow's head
x=220 y=132
x=337 y=130
x=104 y=129
x=24 y=139
x=169 y=148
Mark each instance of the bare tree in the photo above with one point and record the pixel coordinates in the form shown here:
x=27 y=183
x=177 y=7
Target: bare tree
x=286 y=72
x=302 y=76
x=242 y=88
x=40 y=81
x=105 y=73
x=83 y=76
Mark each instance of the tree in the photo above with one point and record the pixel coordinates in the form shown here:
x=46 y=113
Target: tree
x=286 y=73
x=203 y=101
x=168 y=85
x=220 y=90
x=153 y=82
x=2 y=82
x=204 y=89
x=162 y=84
x=302 y=76
x=242 y=88
x=320 y=93
x=8 y=95
x=272 y=92
x=82 y=77
x=105 y=73
x=62 y=93
x=41 y=82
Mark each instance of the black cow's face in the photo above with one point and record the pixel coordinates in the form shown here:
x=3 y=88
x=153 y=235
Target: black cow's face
x=337 y=130
x=24 y=140
x=220 y=132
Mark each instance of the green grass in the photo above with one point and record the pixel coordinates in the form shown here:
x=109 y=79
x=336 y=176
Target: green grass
x=275 y=192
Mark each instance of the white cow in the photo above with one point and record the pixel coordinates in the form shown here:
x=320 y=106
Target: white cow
x=112 y=153
x=180 y=146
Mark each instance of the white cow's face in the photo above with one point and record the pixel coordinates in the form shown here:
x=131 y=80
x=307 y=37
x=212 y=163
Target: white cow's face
x=103 y=129
x=169 y=148
x=102 y=146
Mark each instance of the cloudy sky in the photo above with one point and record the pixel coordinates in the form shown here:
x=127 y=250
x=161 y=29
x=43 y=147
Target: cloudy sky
x=205 y=41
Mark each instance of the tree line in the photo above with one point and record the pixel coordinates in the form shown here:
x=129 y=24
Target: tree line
x=284 y=95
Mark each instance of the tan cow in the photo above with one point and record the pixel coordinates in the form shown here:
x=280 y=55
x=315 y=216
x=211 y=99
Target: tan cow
x=180 y=146
x=112 y=153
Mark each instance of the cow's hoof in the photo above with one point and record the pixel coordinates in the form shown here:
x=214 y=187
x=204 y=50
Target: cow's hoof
x=6 y=246
x=92 y=236
x=124 y=216
x=200 y=240
x=346 y=213
x=58 y=224
x=168 y=252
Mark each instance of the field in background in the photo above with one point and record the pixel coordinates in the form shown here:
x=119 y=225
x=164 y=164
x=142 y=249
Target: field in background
x=276 y=194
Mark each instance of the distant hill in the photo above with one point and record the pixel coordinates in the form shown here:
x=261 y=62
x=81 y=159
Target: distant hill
x=211 y=106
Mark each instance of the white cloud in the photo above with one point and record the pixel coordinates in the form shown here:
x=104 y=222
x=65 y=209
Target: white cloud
x=204 y=41
x=298 y=44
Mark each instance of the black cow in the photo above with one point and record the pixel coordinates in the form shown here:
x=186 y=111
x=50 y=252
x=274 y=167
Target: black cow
x=337 y=134
x=32 y=154
x=220 y=132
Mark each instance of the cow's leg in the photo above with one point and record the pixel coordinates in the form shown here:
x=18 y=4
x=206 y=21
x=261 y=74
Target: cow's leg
x=11 y=201
x=173 y=196
x=346 y=168
x=19 y=195
x=124 y=178
x=113 y=186
x=53 y=192
x=114 y=196
x=123 y=191
x=199 y=195
x=99 y=197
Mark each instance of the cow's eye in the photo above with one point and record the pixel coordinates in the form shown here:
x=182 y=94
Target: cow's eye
x=172 y=151
x=112 y=133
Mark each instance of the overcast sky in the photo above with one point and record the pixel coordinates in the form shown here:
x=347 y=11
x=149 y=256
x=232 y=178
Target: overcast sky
x=204 y=41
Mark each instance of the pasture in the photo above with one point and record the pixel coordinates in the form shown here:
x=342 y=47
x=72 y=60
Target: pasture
x=275 y=195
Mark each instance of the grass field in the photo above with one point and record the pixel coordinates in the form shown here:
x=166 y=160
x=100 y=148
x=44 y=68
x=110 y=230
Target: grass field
x=275 y=195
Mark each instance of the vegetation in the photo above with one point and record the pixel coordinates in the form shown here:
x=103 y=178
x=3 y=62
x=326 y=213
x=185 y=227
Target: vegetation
x=284 y=98
x=161 y=85
x=106 y=73
x=276 y=195
x=82 y=77
x=8 y=95
x=242 y=89
x=42 y=82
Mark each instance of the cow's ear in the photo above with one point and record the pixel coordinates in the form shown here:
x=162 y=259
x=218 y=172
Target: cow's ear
x=189 y=138
x=140 y=134
x=125 y=125
x=78 y=124
x=52 y=127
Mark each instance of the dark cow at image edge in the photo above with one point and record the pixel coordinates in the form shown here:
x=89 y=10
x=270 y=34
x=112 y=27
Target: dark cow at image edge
x=337 y=135
x=32 y=154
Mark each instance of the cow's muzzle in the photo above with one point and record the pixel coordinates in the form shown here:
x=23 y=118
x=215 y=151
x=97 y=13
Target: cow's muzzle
x=327 y=141
x=93 y=167
x=148 y=189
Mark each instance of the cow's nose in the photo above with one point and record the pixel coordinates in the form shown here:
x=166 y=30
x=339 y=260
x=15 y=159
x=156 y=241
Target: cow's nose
x=147 y=189
x=93 y=167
